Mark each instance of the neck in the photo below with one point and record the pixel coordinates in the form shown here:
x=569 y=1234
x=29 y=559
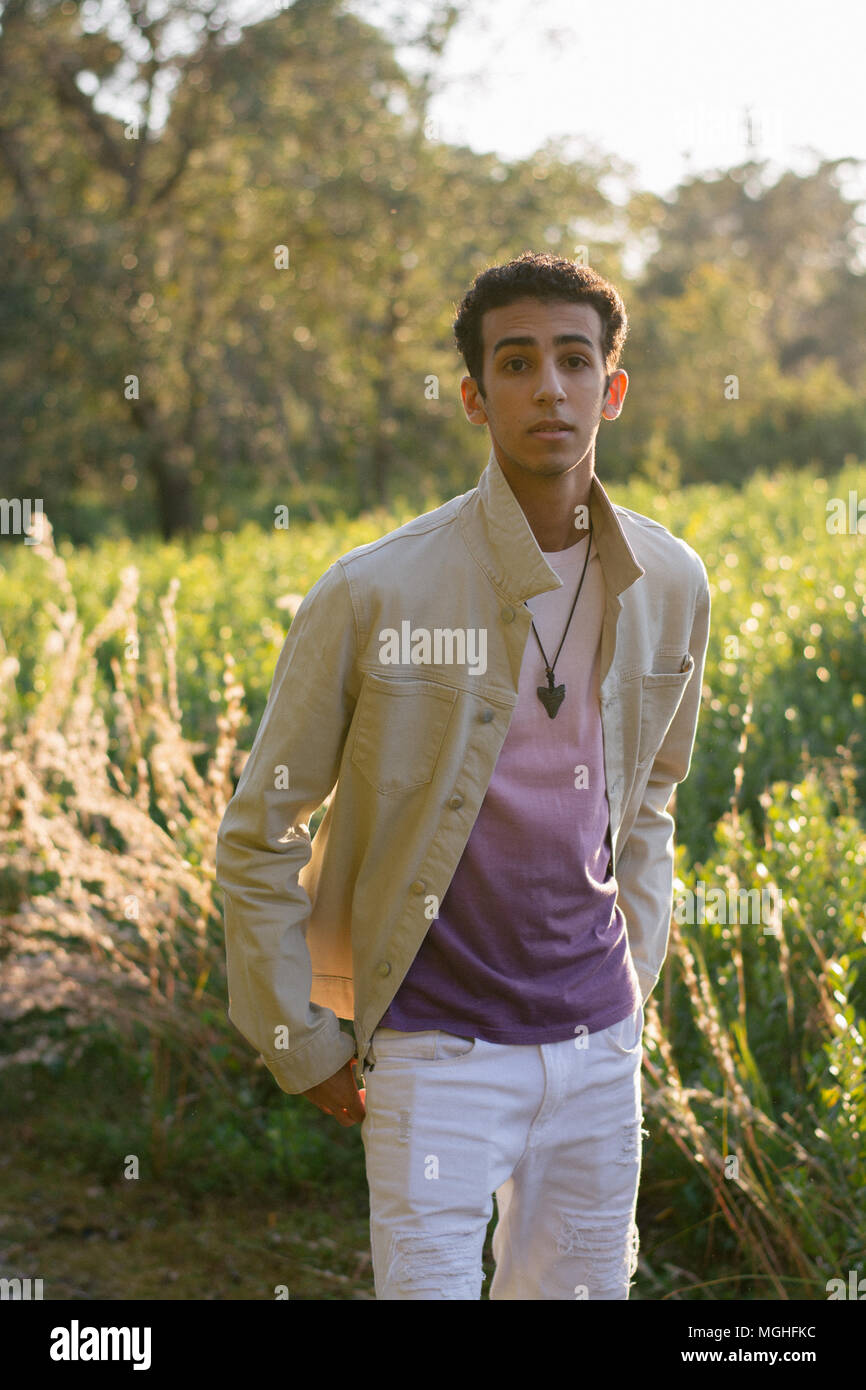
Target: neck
x=548 y=501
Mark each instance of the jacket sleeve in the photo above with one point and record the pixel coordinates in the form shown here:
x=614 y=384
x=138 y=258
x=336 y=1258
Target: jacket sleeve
x=645 y=865
x=264 y=841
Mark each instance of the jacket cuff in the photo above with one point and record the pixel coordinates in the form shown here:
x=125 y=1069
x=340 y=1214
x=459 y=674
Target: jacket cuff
x=316 y=1061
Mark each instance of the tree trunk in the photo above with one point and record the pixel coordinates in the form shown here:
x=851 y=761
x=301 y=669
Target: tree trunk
x=174 y=496
x=174 y=491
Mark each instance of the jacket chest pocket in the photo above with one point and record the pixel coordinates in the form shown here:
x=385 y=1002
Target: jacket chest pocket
x=661 y=693
x=398 y=731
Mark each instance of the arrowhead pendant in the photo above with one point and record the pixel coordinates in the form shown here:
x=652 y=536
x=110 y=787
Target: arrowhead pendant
x=551 y=697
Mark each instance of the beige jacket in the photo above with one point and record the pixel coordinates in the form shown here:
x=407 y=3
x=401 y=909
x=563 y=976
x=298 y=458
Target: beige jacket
x=326 y=929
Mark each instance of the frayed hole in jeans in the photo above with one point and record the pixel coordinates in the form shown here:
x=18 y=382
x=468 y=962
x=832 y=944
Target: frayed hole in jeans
x=445 y=1265
x=610 y=1259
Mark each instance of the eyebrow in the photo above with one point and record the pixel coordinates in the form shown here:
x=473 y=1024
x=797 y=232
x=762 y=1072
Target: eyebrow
x=533 y=342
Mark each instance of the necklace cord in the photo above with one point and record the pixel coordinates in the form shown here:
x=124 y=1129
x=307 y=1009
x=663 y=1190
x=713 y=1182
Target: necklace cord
x=548 y=668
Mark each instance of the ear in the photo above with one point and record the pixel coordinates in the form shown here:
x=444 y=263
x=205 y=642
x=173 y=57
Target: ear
x=615 y=394
x=472 y=401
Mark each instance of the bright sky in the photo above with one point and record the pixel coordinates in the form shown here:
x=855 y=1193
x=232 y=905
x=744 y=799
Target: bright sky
x=672 y=87
x=664 y=85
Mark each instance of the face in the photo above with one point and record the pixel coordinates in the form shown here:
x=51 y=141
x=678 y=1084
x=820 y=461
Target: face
x=555 y=372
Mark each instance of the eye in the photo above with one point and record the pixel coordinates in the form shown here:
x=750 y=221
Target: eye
x=581 y=361
x=510 y=363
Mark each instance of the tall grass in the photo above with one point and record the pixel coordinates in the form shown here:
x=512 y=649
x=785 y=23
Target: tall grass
x=107 y=835
x=755 y=1048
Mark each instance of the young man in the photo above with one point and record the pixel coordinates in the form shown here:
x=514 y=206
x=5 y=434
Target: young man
x=504 y=693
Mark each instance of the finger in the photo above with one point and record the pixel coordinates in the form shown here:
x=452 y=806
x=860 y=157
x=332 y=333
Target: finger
x=356 y=1105
x=356 y=1109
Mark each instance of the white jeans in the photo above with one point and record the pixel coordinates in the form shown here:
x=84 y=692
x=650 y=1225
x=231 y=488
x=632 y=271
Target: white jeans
x=554 y=1129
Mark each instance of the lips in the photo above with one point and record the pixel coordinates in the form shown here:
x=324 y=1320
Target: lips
x=550 y=427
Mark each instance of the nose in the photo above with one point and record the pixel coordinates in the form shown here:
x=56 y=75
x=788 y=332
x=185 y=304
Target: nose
x=549 y=386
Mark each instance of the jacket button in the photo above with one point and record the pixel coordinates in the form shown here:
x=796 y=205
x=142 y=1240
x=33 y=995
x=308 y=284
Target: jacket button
x=455 y=802
x=507 y=615
x=419 y=886
x=486 y=716
x=383 y=968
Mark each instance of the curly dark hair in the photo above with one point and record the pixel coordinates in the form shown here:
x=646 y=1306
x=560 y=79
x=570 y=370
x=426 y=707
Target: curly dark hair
x=539 y=276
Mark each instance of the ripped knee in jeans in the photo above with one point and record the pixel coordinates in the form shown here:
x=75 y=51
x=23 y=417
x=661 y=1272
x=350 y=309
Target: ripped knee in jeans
x=446 y=1266
x=607 y=1255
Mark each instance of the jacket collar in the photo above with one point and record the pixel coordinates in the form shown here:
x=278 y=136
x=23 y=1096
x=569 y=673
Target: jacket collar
x=499 y=536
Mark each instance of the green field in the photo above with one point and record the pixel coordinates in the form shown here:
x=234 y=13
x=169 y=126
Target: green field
x=131 y=674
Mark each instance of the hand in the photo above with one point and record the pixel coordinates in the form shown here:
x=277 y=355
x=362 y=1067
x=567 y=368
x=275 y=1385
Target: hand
x=339 y=1096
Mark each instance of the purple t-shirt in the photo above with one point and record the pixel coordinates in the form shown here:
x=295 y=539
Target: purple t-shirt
x=529 y=943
